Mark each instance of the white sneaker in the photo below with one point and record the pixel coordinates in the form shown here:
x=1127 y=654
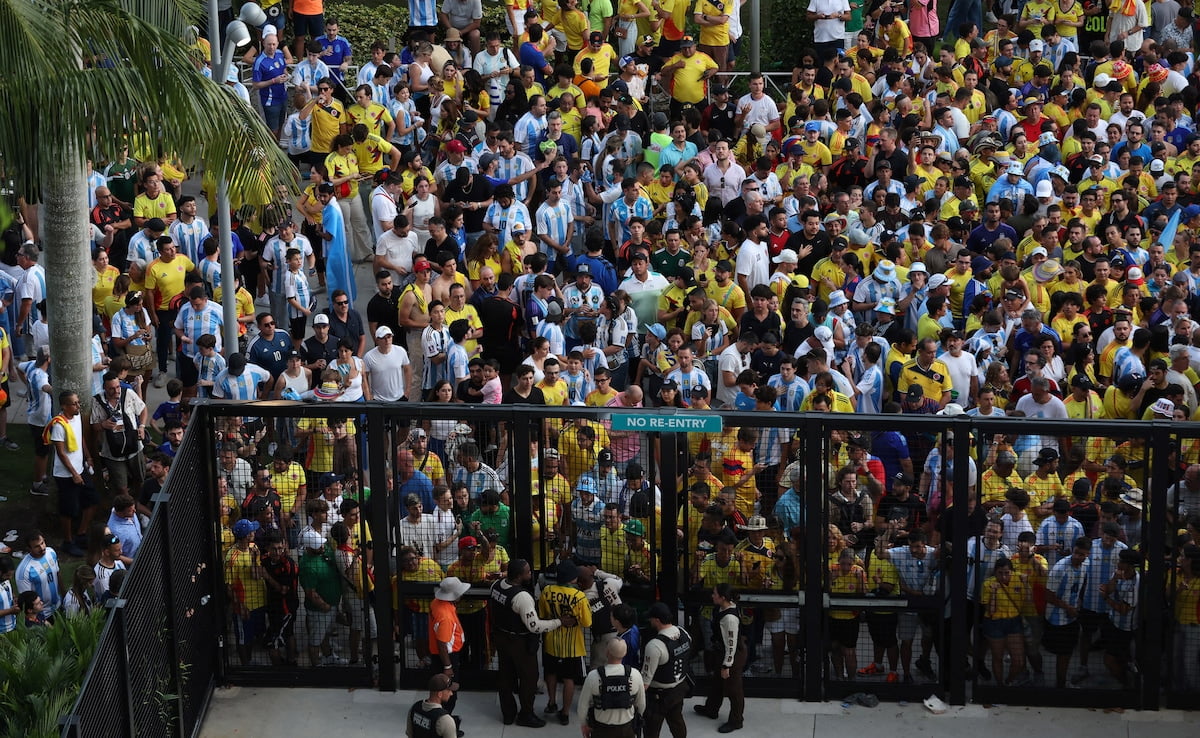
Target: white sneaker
x=160 y=380
x=334 y=661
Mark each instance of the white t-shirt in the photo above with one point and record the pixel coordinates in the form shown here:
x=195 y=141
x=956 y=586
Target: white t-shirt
x=386 y=373
x=58 y=433
x=398 y=250
x=754 y=263
x=961 y=369
x=731 y=360
x=829 y=30
x=764 y=110
x=383 y=210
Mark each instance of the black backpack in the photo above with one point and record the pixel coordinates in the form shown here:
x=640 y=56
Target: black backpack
x=121 y=443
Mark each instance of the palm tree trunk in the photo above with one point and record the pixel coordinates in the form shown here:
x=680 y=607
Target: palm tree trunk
x=69 y=275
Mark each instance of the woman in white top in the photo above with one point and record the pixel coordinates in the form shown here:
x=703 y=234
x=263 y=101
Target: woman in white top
x=131 y=328
x=538 y=353
x=421 y=207
x=349 y=367
x=296 y=377
x=79 y=598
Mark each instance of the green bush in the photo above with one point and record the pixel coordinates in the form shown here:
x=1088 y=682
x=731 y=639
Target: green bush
x=363 y=22
x=787 y=31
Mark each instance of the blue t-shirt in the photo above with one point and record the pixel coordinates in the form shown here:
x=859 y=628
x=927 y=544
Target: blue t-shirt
x=338 y=49
x=532 y=56
x=270 y=67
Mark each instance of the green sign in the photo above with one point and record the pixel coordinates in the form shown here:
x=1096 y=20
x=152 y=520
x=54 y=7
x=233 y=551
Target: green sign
x=685 y=423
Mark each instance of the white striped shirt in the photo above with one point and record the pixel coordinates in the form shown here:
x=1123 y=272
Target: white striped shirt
x=242 y=387
x=789 y=394
x=553 y=333
x=207 y=370
x=1067 y=582
x=871 y=386
x=456 y=363
x=275 y=254
x=210 y=272
x=512 y=168
x=297 y=134
x=295 y=284
x=1103 y=562
x=8 y=623
x=445 y=172
x=125 y=325
x=141 y=247
x=308 y=74
x=41 y=576
x=502 y=219
x=380 y=94
x=32 y=286
x=435 y=341
x=403 y=113
x=195 y=324
x=94 y=180
x=422 y=13
x=552 y=221
x=366 y=73
x=527 y=131
x=37 y=412
x=189 y=236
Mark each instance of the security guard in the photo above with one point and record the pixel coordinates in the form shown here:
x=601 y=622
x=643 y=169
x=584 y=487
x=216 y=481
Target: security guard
x=664 y=670
x=427 y=718
x=515 y=628
x=613 y=697
x=726 y=659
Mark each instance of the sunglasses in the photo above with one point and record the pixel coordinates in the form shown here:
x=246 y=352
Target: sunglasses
x=342 y=302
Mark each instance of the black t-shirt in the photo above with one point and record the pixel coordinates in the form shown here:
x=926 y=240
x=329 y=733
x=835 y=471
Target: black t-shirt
x=722 y=120
x=770 y=323
x=480 y=190
x=899 y=163
x=432 y=248
x=465 y=394
x=385 y=310
x=536 y=397
x=820 y=249
x=765 y=366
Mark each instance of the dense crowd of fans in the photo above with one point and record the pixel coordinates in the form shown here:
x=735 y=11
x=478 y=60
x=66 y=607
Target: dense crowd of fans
x=584 y=213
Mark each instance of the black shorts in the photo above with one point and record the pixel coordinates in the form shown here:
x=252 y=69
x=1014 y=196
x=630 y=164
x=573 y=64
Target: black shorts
x=1117 y=642
x=882 y=627
x=41 y=449
x=312 y=26
x=570 y=667
x=73 y=498
x=845 y=632
x=1091 y=621
x=281 y=628
x=185 y=369
x=1061 y=640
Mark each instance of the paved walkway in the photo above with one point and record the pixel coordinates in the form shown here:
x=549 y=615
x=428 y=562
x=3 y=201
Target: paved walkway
x=284 y=713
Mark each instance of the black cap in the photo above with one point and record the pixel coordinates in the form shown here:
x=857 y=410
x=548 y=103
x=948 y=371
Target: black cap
x=915 y=392
x=902 y=478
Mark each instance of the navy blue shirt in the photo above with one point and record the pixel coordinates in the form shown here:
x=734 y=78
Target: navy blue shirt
x=270 y=355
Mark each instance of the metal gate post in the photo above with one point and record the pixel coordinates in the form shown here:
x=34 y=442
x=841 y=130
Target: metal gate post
x=1152 y=596
x=377 y=454
x=522 y=497
x=960 y=629
x=811 y=450
x=668 y=473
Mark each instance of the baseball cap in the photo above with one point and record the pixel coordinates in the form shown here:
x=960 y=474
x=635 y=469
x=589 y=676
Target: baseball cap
x=310 y=539
x=467 y=542
x=320 y=319
x=329 y=478
x=687 y=41
x=456 y=146
x=382 y=331
x=243 y=528
x=421 y=264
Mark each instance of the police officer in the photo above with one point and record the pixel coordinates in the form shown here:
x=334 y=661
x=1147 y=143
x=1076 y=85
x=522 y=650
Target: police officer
x=427 y=718
x=664 y=670
x=515 y=627
x=727 y=657
x=602 y=597
x=612 y=698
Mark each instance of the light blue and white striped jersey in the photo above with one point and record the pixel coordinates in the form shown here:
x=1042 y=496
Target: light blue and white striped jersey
x=871 y=386
x=422 y=13
x=502 y=219
x=1126 y=591
x=1126 y=362
x=1054 y=534
x=621 y=212
x=445 y=172
x=125 y=325
x=31 y=286
x=207 y=370
x=789 y=394
x=297 y=134
x=38 y=412
x=573 y=299
x=195 y=324
x=1067 y=582
x=456 y=364
x=579 y=386
x=1103 y=562
x=308 y=73
x=94 y=180
x=41 y=576
x=712 y=339
x=141 y=247
x=980 y=562
x=511 y=168
x=275 y=254
x=528 y=131
x=573 y=195
x=553 y=333
x=366 y=73
x=769 y=447
x=404 y=118
x=97 y=347
x=552 y=221
x=210 y=272
x=8 y=623
x=295 y=285
x=189 y=236
x=242 y=387
x=435 y=341
x=381 y=94
x=697 y=377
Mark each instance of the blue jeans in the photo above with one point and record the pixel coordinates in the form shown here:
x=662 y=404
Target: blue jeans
x=962 y=11
x=273 y=115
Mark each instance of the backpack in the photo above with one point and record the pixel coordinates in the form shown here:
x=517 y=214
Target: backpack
x=121 y=443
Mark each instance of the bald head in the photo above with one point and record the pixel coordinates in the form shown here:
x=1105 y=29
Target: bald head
x=633 y=394
x=616 y=651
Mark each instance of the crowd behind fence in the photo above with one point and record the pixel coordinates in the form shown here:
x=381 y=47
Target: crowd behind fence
x=867 y=558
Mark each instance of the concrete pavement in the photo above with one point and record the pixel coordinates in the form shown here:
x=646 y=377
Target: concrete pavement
x=284 y=713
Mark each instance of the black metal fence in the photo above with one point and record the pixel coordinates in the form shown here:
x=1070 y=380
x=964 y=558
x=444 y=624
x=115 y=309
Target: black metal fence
x=884 y=617
x=154 y=668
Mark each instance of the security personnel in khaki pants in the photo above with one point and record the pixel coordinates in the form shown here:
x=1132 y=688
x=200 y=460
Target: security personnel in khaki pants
x=515 y=627
x=612 y=699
